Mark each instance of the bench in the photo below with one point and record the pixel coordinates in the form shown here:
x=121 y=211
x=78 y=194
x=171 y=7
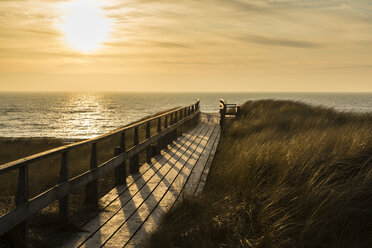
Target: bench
x=228 y=111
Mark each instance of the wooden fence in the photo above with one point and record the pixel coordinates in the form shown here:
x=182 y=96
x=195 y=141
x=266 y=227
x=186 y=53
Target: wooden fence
x=26 y=207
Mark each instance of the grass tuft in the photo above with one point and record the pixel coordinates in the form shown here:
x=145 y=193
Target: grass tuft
x=285 y=174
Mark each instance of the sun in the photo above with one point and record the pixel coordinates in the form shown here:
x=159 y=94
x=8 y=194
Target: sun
x=84 y=25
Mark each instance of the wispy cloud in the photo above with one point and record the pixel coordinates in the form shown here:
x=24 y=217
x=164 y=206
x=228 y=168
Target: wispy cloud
x=272 y=41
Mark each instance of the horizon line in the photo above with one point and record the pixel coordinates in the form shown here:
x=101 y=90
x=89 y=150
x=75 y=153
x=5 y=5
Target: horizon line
x=184 y=92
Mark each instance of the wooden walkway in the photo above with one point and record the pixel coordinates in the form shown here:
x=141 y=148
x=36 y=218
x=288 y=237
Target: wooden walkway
x=134 y=209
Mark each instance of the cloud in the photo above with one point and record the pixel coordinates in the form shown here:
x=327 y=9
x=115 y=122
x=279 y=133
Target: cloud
x=146 y=43
x=269 y=41
x=347 y=67
x=170 y=44
x=41 y=32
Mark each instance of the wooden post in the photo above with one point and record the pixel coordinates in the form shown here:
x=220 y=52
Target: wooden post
x=181 y=117
x=165 y=139
x=222 y=111
x=121 y=170
x=134 y=161
x=123 y=166
x=171 y=122
x=22 y=197
x=159 y=146
x=148 y=149
x=175 y=121
x=237 y=111
x=91 y=196
x=63 y=203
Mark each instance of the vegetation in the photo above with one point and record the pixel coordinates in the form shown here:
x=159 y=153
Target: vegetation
x=285 y=174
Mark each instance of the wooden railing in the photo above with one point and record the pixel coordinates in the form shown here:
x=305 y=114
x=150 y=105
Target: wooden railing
x=26 y=207
x=228 y=110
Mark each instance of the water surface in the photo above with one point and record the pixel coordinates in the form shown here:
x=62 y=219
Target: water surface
x=85 y=115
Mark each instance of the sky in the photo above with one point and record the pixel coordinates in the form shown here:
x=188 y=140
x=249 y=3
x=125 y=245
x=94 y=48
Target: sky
x=186 y=45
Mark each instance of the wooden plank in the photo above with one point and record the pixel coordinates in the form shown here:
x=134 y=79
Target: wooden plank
x=130 y=206
x=113 y=194
x=115 y=202
x=152 y=196
x=144 y=170
x=154 y=219
x=162 y=160
x=204 y=177
x=194 y=178
x=135 y=222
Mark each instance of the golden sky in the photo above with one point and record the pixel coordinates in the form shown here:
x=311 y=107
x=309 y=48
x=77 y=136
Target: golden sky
x=186 y=45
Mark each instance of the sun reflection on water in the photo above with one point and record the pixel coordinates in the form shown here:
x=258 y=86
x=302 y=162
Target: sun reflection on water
x=85 y=113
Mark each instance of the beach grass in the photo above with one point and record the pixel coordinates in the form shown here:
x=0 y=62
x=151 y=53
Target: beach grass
x=285 y=174
x=44 y=174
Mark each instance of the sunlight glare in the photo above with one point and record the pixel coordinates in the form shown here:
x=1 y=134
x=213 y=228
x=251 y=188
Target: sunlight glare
x=84 y=25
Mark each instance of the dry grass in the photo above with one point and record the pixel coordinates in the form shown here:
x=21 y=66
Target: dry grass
x=286 y=174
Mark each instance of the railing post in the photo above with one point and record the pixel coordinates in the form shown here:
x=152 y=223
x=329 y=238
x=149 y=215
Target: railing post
x=148 y=149
x=181 y=117
x=91 y=196
x=134 y=161
x=222 y=112
x=165 y=138
x=237 y=111
x=171 y=122
x=63 y=203
x=175 y=121
x=121 y=170
x=21 y=198
x=158 y=129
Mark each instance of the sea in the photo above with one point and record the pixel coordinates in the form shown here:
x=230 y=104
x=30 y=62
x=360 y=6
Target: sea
x=85 y=115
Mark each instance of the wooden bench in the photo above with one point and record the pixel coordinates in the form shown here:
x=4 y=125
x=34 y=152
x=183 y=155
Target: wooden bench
x=228 y=111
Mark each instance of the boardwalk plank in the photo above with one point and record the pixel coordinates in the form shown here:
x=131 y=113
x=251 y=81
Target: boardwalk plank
x=117 y=200
x=134 y=209
x=204 y=177
x=145 y=210
x=131 y=199
x=166 y=202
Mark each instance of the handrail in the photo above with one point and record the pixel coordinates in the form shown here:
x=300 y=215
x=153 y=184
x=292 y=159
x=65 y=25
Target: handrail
x=32 y=158
x=26 y=207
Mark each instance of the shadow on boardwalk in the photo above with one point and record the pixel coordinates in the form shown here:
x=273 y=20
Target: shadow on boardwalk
x=133 y=210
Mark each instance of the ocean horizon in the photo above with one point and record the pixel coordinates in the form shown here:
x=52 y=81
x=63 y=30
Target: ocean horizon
x=86 y=115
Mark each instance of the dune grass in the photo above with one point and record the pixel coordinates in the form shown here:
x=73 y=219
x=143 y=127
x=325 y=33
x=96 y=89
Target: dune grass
x=285 y=174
